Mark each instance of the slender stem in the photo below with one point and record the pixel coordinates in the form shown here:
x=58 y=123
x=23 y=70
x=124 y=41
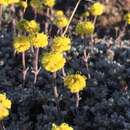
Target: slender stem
x=121 y=34
x=47 y=24
x=77 y=99
x=55 y=87
x=72 y=15
x=35 y=67
x=36 y=58
x=92 y=36
x=85 y=51
x=24 y=67
x=94 y=21
x=23 y=61
x=12 y=8
x=24 y=8
x=63 y=72
x=0 y=16
x=51 y=19
x=2 y=127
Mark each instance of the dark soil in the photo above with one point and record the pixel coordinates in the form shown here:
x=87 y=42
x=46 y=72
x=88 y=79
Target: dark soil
x=105 y=103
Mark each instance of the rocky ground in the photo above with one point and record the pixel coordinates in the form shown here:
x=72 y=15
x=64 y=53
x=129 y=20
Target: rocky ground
x=105 y=103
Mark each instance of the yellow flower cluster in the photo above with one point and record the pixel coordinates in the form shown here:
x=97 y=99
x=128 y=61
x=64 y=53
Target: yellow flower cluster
x=61 y=21
x=5 y=106
x=21 y=44
x=75 y=82
x=127 y=18
x=63 y=126
x=49 y=3
x=97 y=9
x=39 y=40
x=58 y=13
x=61 y=44
x=28 y=26
x=85 y=28
x=53 y=61
x=32 y=26
x=8 y=2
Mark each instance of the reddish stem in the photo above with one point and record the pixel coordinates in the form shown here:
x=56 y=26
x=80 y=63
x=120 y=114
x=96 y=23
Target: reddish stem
x=35 y=65
x=24 y=66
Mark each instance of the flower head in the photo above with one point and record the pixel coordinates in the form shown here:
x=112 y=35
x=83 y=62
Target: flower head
x=53 y=61
x=86 y=14
x=32 y=26
x=61 y=44
x=39 y=40
x=21 y=44
x=85 y=28
x=61 y=21
x=8 y=2
x=49 y=3
x=58 y=13
x=127 y=18
x=97 y=9
x=5 y=105
x=22 y=24
x=75 y=82
x=63 y=126
x=3 y=112
x=2 y=96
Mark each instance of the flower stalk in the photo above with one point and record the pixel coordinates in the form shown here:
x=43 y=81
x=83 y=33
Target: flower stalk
x=72 y=15
x=55 y=87
x=77 y=99
x=47 y=24
x=56 y=91
x=2 y=127
x=1 y=16
x=24 y=67
x=121 y=34
x=36 y=70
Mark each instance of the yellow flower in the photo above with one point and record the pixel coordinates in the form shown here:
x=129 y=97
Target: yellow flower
x=3 y=112
x=127 y=18
x=58 y=13
x=61 y=44
x=13 y=1
x=97 y=9
x=85 y=28
x=2 y=96
x=23 y=4
x=49 y=3
x=63 y=126
x=32 y=26
x=21 y=44
x=86 y=14
x=39 y=40
x=61 y=21
x=52 y=61
x=6 y=103
x=3 y=2
x=75 y=82
x=7 y=2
